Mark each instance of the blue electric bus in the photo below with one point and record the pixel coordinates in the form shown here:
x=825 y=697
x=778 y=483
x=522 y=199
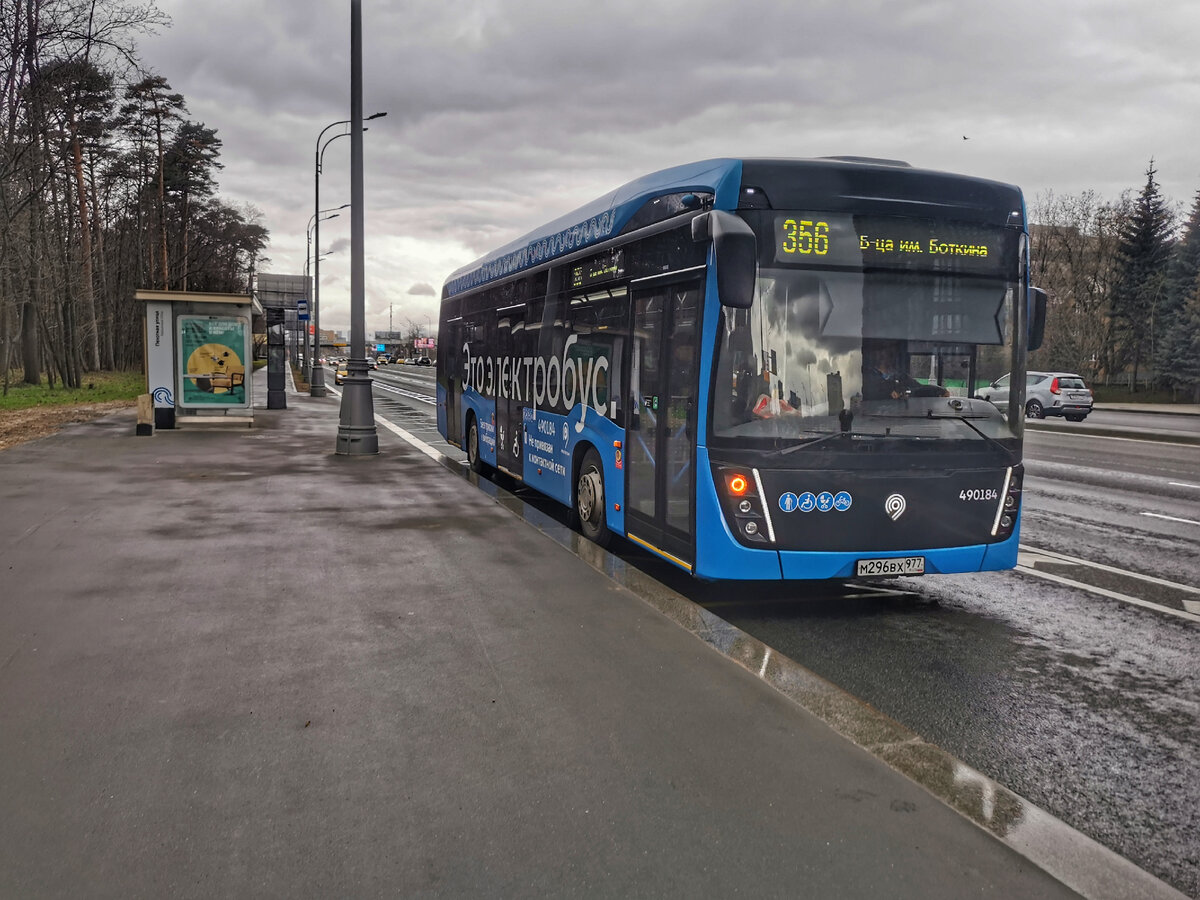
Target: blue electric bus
x=760 y=368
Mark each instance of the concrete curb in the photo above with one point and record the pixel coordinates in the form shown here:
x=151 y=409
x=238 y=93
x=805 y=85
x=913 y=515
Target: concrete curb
x=1130 y=433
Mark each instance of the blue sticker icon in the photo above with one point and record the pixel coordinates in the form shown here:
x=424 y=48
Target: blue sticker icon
x=808 y=502
x=824 y=501
x=788 y=502
x=842 y=501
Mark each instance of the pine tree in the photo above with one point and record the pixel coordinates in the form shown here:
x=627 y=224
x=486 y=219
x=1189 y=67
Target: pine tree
x=1179 y=352
x=1144 y=253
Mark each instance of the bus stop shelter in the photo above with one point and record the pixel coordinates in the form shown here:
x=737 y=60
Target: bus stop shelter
x=199 y=356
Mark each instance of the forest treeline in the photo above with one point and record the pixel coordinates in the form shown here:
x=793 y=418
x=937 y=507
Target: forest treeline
x=106 y=186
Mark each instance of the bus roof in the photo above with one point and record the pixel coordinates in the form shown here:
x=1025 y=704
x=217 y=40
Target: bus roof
x=853 y=182
x=597 y=221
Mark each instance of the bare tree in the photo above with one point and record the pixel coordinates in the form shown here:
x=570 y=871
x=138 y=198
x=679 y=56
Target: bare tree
x=1074 y=257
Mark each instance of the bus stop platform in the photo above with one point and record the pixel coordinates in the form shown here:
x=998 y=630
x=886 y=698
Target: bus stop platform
x=233 y=663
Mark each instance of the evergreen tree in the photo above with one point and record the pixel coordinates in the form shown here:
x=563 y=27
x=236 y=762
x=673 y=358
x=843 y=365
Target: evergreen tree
x=189 y=179
x=1179 y=353
x=151 y=111
x=1144 y=253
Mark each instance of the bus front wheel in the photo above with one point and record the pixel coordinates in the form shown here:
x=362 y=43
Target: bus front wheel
x=589 y=499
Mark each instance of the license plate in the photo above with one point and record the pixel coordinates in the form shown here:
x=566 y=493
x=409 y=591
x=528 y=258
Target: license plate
x=898 y=565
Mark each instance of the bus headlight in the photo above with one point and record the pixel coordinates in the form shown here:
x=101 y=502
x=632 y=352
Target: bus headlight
x=742 y=503
x=1009 y=505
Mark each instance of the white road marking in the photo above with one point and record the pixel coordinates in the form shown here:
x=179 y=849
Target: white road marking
x=1028 y=556
x=766 y=659
x=412 y=395
x=1184 y=484
x=429 y=451
x=1062 y=557
x=1113 y=595
x=1171 y=518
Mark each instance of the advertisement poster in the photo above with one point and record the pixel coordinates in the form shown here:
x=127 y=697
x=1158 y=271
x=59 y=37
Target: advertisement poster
x=212 y=356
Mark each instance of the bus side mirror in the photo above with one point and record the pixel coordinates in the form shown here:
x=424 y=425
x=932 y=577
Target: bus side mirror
x=736 y=252
x=1037 y=320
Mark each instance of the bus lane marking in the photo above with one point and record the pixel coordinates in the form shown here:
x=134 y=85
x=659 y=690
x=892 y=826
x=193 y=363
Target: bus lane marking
x=1028 y=557
x=1171 y=518
x=424 y=398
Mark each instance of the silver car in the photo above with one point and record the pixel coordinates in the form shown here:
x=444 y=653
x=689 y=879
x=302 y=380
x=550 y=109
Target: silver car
x=1046 y=394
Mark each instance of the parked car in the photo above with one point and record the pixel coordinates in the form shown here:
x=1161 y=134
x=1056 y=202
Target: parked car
x=1046 y=394
x=424 y=361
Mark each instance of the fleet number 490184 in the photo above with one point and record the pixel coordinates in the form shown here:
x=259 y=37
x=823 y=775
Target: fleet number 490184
x=900 y=565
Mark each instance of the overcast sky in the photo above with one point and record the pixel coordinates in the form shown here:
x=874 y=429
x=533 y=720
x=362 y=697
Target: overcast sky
x=503 y=114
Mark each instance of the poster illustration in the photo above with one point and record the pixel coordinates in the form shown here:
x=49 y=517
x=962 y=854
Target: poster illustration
x=212 y=359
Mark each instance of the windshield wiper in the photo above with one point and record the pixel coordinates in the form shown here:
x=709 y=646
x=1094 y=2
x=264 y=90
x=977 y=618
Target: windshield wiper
x=965 y=420
x=827 y=437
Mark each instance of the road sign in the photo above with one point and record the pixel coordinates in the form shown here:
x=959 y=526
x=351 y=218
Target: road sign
x=302 y=310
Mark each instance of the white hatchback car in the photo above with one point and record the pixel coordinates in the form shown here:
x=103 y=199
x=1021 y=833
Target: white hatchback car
x=1046 y=394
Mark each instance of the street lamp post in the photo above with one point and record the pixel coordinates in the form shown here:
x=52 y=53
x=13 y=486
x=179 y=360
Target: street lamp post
x=317 y=380
x=356 y=427
x=314 y=222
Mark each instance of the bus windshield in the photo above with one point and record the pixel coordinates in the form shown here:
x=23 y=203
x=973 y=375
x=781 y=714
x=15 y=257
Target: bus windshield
x=873 y=338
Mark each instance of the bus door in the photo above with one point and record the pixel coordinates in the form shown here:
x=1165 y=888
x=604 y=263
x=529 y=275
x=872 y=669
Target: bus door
x=450 y=367
x=508 y=409
x=661 y=438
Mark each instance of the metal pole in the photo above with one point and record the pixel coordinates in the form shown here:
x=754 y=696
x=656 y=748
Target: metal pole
x=308 y=296
x=356 y=430
x=316 y=382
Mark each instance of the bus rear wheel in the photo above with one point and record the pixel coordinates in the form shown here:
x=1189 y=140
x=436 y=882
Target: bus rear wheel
x=477 y=464
x=589 y=499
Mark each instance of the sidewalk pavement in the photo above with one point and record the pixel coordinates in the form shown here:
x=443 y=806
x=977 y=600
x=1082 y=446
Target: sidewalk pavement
x=233 y=663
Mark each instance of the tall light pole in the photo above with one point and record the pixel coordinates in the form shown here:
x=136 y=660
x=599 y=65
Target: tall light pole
x=314 y=221
x=356 y=428
x=317 y=378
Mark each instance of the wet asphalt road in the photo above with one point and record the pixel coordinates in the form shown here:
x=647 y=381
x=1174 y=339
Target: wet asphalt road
x=1086 y=706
